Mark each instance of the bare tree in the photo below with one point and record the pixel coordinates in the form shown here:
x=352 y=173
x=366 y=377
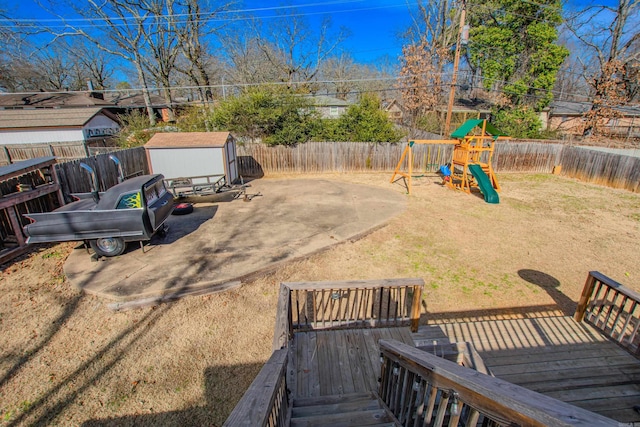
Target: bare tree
x=94 y=63
x=55 y=71
x=122 y=33
x=292 y=49
x=341 y=71
x=435 y=21
x=435 y=28
x=192 y=34
x=50 y=70
x=420 y=83
x=609 y=34
x=248 y=62
x=162 y=43
x=5 y=58
x=570 y=82
x=65 y=66
x=425 y=56
x=17 y=71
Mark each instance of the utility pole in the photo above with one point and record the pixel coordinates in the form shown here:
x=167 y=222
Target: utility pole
x=456 y=63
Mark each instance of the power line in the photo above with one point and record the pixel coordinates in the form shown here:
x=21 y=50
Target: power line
x=238 y=11
x=358 y=80
x=213 y=18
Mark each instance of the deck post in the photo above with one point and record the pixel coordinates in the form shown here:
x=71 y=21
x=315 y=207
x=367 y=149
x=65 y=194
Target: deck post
x=415 y=308
x=584 y=298
x=282 y=332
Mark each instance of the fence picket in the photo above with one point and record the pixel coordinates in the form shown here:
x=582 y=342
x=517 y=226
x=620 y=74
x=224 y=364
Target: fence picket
x=610 y=169
x=74 y=179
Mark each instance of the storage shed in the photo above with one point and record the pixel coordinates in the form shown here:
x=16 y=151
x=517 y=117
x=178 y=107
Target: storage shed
x=194 y=155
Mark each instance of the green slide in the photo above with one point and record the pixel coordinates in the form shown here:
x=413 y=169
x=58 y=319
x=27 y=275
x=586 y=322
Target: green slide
x=490 y=195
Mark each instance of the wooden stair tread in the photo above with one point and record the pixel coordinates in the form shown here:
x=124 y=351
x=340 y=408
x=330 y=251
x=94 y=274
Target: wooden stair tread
x=334 y=398
x=346 y=419
x=354 y=409
x=335 y=408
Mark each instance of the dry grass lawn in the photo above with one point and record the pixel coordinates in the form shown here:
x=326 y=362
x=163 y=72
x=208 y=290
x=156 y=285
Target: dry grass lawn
x=66 y=359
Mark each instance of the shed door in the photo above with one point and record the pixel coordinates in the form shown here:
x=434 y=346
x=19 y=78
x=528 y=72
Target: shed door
x=232 y=161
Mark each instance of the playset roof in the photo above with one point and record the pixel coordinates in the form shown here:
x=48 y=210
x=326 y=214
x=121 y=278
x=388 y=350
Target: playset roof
x=469 y=125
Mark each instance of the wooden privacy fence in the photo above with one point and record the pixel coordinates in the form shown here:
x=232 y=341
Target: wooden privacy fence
x=610 y=169
x=74 y=179
x=613 y=170
x=62 y=151
x=256 y=159
x=598 y=167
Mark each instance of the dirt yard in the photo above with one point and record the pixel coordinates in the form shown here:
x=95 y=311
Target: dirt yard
x=66 y=359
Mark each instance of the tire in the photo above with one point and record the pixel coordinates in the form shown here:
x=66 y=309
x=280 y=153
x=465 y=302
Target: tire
x=108 y=246
x=182 y=209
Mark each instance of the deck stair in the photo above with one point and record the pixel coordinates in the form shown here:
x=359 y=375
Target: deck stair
x=355 y=409
x=343 y=357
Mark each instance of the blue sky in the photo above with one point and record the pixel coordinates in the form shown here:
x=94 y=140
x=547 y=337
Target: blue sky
x=373 y=24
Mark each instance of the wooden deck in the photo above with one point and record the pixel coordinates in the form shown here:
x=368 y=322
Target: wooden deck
x=339 y=361
x=555 y=356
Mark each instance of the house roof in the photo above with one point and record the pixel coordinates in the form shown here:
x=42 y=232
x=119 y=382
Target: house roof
x=462 y=105
x=51 y=100
x=48 y=117
x=136 y=100
x=574 y=108
x=387 y=104
x=187 y=140
x=75 y=99
x=328 y=101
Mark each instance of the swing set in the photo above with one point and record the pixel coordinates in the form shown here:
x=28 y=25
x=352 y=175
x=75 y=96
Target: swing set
x=470 y=165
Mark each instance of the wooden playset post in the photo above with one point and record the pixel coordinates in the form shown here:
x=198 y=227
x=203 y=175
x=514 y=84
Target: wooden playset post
x=408 y=153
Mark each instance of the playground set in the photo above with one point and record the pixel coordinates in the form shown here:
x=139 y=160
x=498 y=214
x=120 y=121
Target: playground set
x=470 y=165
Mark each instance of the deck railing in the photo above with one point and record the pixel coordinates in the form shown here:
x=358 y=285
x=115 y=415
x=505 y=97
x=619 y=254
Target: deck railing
x=611 y=308
x=420 y=388
x=266 y=402
x=349 y=304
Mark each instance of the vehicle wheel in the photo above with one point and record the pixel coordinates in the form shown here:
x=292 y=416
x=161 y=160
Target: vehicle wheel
x=182 y=209
x=108 y=246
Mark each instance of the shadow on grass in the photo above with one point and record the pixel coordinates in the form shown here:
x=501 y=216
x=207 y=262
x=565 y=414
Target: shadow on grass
x=563 y=305
x=223 y=387
x=51 y=403
x=550 y=285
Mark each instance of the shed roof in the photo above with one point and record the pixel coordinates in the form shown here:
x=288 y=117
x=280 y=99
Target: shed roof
x=47 y=117
x=467 y=126
x=187 y=140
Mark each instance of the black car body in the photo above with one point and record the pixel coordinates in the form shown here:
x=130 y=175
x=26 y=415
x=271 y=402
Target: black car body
x=133 y=210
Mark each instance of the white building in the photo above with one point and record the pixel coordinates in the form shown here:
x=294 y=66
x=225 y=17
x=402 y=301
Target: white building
x=55 y=125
